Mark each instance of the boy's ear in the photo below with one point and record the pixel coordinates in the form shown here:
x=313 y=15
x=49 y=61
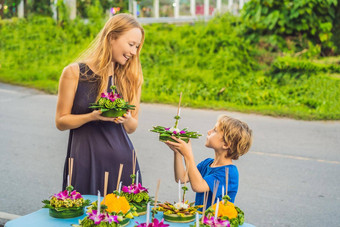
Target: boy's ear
x=226 y=146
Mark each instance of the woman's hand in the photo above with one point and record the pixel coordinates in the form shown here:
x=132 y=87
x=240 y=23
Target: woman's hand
x=181 y=146
x=118 y=120
x=121 y=120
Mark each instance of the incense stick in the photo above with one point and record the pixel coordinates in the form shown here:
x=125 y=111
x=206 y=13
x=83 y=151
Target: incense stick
x=179 y=103
x=226 y=180
x=156 y=198
x=216 y=183
x=119 y=175
x=205 y=201
x=134 y=161
x=70 y=170
x=106 y=179
x=178 y=111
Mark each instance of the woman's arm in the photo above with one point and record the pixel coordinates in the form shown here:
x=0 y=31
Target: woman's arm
x=198 y=184
x=67 y=89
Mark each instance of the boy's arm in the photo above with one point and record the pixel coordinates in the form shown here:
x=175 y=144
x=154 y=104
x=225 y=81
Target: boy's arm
x=198 y=184
x=179 y=169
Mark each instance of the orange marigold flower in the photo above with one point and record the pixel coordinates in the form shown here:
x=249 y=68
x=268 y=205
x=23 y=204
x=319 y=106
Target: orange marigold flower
x=115 y=204
x=227 y=209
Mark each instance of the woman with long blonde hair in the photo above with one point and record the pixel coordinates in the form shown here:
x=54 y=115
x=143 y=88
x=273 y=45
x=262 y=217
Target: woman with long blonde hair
x=96 y=143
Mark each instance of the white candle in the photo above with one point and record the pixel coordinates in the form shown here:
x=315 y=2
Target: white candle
x=179 y=191
x=197 y=220
x=120 y=187
x=216 y=211
x=179 y=112
x=68 y=180
x=148 y=214
x=222 y=191
x=137 y=176
x=98 y=207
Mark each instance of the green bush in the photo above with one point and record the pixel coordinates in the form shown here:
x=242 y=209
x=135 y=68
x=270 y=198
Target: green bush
x=211 y=63
x=33 y=51
x=287 y=19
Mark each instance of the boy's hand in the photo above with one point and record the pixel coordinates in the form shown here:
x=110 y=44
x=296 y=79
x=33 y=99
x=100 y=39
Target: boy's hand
x=181 y=147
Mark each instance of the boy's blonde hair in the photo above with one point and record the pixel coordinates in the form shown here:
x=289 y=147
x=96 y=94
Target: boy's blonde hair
x=236 y=135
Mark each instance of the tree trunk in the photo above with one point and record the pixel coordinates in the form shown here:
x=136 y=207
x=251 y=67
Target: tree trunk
x=2 y=2
x=25 y=8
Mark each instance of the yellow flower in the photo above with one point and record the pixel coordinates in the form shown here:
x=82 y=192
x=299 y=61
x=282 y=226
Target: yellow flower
x=227 y=209
x=129 y=215
x=115 y=204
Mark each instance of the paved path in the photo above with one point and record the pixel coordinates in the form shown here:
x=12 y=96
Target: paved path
x=291 y=176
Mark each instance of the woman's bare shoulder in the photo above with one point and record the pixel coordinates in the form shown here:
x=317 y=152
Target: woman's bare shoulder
x=71 y=71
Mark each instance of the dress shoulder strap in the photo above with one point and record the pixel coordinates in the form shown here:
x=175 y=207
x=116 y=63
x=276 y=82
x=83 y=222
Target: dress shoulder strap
x=83 y=69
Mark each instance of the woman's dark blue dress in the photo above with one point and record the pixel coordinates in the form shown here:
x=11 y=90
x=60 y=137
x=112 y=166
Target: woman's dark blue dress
x=96 y=146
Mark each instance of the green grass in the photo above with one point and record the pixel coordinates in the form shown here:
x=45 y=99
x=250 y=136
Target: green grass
x=213 y=65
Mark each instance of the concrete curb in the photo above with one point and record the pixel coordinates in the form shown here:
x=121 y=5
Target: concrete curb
x=5 y=217
x=8 y=216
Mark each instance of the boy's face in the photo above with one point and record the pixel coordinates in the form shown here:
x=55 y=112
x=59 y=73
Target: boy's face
x=214 y=138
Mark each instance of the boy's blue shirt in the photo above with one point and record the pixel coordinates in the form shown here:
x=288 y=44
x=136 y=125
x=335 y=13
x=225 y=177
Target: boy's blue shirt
x=217 y=173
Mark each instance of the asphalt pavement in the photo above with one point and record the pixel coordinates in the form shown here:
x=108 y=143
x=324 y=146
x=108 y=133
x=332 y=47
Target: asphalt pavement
x=290 y=177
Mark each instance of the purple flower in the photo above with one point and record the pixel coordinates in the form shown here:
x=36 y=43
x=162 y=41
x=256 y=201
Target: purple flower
x=141 y=188
x=62 y=195
x=216 y=222
x=75 y=195
x=97 y=218
x=174 y=132
x=182 y=132
x=127 y=189
x=103 y=95
x=133 y=188
x=167 y=129
x=111 y=218
x=154 y=223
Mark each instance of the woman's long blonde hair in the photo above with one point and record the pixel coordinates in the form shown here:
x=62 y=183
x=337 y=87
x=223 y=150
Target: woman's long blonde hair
x=129 y=77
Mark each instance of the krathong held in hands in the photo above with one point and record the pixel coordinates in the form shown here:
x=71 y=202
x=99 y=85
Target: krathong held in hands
x=165 y=133
x=112 y=104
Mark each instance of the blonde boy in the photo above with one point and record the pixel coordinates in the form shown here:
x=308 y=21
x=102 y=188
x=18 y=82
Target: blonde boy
x=230 y=139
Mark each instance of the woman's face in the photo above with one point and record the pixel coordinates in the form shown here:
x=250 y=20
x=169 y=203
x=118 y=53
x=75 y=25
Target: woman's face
x=125 y=46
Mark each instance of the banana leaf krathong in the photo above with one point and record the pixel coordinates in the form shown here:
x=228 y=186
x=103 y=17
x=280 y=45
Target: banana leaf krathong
x=227 y=211
x=165 y=134
x=112 y=104
x=66 y=204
